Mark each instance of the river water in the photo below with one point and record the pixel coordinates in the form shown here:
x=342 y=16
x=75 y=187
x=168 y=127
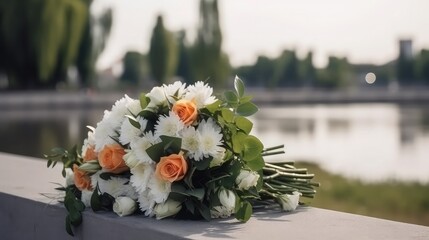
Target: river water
x=371 y=142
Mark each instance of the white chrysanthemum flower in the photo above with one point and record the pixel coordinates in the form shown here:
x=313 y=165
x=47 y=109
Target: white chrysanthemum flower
x=103 y=135
x=201 y=94
x=134 y=107
x=119 y=110
x=169 y=125
x=141 y=174
x=221 y=212
x=191 y=143
x=210 y=138
x=141 y=145
x=94 y=179
x=89 y=141
x=176 y=89
x=157 y=97
x=116 y=187
x=146 y=203
x=69 y=177
x=86 y=197
x=159 y=189
x=129 y=133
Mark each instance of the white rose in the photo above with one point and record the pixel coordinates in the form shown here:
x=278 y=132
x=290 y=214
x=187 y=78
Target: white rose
x=69 y=177
x=167 y=209
x=227 y=198
x=124 y=206
x=218 y=159
x=247 y=179
x=157 y=97
x=289 y=202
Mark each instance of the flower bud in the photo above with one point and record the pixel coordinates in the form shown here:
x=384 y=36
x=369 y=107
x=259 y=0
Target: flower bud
x=124 y=206
x=289 y=202
x=227 y=198
x=167 y=209
x=130 y=159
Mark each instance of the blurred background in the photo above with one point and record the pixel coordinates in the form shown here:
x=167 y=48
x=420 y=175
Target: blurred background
x=344 y=85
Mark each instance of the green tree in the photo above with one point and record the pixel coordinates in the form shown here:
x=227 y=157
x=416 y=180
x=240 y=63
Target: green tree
x=422 y=66
x=286 y=70
x=336 y=74
x=307 y=71
x=259 y=74
x=39 y=40
x=93 y=42
x=133 y=67
x=162 y=53
x=208 y=60
x=183 y=66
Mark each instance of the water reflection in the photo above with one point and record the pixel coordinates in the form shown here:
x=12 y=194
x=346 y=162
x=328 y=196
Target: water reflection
x=370 y=142
x=366 y=141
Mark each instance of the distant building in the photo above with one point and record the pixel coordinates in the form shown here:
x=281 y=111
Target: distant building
x=406 y=49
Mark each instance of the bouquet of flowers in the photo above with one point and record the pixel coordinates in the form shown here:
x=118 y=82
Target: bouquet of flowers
x=180 y=152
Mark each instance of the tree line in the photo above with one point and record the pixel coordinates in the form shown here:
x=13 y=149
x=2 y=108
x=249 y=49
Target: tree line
x=41 y=40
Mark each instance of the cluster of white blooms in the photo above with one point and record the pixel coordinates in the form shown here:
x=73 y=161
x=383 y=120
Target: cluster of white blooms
x=201 y=139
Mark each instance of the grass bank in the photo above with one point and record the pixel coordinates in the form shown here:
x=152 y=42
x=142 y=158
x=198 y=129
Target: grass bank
x=393 y=200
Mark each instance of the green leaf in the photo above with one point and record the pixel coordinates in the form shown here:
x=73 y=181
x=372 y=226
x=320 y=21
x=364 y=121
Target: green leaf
x=198 y=193
x=245 y=99
x=231 y=97
x=203 y=164
x=244 y=212
x=188 y=177
x=90 y=167
x=133 y=121
x=149 y=115
x=179 y=188
x=256 y=164
x=190 y=206
x=239 y=86
x=68 y=226
x=204 y=211
x=244 y=124
x=214 y=106
x=172 y=144
x=227 y=115
x=144 y=101
x=237 y=142
x=75 y=217
x=95 y=200
x=247 y=109
x=252 y=148
x=58 y=151
x=156 y=151
x=78 y=205
x=167 y=146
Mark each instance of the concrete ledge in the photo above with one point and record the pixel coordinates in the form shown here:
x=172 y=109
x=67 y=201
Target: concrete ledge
x=25 y=214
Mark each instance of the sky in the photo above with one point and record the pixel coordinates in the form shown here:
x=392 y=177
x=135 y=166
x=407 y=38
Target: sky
x=364 y=31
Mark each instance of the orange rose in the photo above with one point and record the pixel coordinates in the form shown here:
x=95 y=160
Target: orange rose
x=111 y=158
x=186 y=110
x=90 y=154
x=81 y=179
x=171 y=168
